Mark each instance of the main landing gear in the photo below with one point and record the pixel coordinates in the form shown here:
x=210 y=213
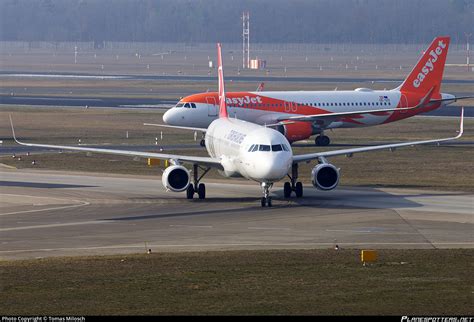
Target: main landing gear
x=196 y=187
x=322 y=140
x=266 y=199
x=203 y=143
x=294 y=185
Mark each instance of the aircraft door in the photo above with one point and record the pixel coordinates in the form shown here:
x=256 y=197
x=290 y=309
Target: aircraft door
x=211 y=106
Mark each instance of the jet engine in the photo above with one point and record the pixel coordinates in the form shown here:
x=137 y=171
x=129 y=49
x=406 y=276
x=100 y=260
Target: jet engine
x=325 y=176
x=176 y=178
x=296 y=131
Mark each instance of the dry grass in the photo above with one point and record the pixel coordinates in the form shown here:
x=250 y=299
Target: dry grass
x=321 y=282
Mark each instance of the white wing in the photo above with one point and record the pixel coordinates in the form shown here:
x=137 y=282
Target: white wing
x=349 y=152
x=207 y=161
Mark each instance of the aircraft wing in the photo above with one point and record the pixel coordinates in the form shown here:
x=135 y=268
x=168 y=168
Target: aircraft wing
x=350 y=152
x=201 y=129
x=206 y=161
x=311 y=118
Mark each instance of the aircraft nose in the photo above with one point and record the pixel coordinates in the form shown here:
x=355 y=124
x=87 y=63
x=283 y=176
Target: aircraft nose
x=275 y=167
x=169 y=117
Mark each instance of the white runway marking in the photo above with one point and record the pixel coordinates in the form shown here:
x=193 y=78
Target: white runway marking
x=234 y=245
x=268 y=228
x=79 y=204
x=191 y=226
x=57 y=225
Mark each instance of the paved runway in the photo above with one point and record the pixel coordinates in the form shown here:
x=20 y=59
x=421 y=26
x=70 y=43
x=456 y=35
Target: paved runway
x=50 y=213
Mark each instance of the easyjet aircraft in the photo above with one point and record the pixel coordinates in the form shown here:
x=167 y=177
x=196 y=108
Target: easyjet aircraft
x=243 y=149
x=301 y=114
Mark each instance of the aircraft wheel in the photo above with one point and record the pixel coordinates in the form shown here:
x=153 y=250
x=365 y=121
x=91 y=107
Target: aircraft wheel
x=324 y=140
x=269 y=202
x=263 y=201
x=190 y=191
x=317 y=140
x=299 y=190
x=203 y=143
x=202 y=191
x=287 y=190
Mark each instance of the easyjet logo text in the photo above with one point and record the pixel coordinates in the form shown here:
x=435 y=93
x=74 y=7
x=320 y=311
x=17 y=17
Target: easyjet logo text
x=429 y=65
x=244 y=100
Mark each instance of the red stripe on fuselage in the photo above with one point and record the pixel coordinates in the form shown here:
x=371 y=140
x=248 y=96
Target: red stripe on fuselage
x=412 y=100
x=258 y=102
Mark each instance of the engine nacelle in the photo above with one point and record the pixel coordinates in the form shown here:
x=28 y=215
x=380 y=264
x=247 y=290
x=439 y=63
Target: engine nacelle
x=176 y=178
x=296 y=131
x=325 y=176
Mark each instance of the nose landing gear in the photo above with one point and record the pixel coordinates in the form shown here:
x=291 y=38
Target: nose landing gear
x=266 y=199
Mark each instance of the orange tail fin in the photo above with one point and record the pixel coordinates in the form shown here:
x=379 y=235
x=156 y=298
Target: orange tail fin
x=428 y=72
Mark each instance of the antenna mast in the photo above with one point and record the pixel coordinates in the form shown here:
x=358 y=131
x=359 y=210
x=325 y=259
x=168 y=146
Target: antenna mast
x=245 y=40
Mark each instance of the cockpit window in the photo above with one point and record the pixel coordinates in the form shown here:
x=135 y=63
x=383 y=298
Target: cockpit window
x=285 y=147
x=277 y=147
x=179 y=105
x=255 y=148
x=187 y=105
x=193 y=105
x=264 y=147
x=251 y=147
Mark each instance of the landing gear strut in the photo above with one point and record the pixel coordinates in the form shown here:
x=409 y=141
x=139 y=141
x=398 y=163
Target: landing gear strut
x=266 y=199
x=199 y=188
x=322 y=140
x=203 y=141
x=293 y=185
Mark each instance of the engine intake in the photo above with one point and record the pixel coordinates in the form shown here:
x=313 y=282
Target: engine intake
x=325 y=176
x=176 y=178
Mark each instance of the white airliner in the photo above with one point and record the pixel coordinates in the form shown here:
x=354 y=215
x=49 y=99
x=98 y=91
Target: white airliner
x=300 y=114
x=242 y=149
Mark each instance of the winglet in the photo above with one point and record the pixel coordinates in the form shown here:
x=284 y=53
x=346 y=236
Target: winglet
x=13 y=129
x=461 y=127
x=220 y=75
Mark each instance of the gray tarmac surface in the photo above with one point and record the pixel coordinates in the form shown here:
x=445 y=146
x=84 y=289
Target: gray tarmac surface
x=51 y=213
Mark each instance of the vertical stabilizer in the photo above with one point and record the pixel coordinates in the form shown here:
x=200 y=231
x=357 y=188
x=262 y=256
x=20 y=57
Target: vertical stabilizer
x=428 y=72
x=220 y=75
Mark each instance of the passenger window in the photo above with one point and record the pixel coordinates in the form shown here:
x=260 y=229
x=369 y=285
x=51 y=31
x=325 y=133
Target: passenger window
x=276 y=147
x=263 y=147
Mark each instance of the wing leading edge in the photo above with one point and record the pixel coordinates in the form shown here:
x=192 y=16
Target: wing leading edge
x=207 y=161
x=350 y=152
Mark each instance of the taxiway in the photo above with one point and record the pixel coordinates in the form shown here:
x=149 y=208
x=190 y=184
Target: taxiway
x=52 y=213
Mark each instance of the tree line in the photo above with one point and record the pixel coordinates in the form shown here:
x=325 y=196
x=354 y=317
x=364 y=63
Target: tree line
x=271 y=21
